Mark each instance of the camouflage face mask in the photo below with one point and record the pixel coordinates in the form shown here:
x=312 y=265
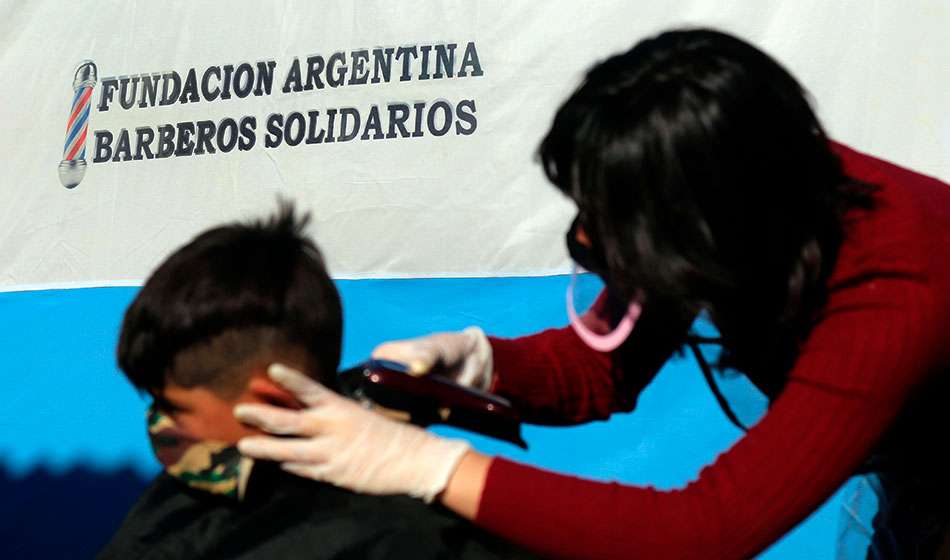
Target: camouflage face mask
x=211 y=466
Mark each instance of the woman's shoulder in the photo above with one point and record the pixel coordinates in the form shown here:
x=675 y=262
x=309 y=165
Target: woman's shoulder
x=891 y=279
x=906 y=231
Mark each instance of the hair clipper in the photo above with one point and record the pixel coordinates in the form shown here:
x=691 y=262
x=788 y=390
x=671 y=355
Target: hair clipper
x=431 y=399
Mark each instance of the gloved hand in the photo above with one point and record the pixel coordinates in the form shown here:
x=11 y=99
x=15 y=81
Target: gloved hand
x=465 y=357
x=348 y=445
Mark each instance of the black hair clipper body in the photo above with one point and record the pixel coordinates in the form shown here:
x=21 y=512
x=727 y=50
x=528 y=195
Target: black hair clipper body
x=431 y=399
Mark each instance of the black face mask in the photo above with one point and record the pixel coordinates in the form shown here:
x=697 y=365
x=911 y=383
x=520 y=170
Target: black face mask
x=583 y=255
x=594 y=263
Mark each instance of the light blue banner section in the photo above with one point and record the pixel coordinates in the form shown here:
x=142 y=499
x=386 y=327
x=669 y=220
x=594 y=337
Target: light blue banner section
x=67 y=406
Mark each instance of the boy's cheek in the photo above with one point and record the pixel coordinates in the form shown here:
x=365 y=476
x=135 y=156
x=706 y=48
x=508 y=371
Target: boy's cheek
x=222 y=426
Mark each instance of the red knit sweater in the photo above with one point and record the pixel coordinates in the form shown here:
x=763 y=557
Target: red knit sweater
x=878 y=344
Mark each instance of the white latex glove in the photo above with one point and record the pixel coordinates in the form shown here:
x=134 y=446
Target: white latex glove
x=347 y=445
x=465 y=357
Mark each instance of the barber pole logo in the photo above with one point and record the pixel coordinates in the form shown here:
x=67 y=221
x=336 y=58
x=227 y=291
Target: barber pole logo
x=73 y=166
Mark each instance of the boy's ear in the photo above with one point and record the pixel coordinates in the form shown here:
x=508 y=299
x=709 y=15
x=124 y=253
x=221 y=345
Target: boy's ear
x=261 y=387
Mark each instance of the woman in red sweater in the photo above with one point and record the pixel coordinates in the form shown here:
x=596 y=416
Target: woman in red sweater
x=704 y=183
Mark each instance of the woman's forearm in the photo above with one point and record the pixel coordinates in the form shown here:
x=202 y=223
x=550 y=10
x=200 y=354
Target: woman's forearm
x=464 y=490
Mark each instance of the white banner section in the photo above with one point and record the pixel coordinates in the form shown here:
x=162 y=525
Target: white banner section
x=407 y=129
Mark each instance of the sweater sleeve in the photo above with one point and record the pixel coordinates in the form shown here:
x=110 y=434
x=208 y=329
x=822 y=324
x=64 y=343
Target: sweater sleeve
x=866 y=354
x=554 y=378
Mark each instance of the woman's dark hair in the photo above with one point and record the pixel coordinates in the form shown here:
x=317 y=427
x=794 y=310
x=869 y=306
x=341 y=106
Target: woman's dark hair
x=703 y=178
x=235 y=295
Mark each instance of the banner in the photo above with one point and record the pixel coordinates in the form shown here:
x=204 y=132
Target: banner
x=408 y=130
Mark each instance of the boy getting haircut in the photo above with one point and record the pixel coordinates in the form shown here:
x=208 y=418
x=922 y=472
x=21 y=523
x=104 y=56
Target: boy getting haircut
x=199 y=338
x=222 y=308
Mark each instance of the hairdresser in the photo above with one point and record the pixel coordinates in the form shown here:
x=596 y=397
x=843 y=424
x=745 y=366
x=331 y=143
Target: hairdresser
x=704 y=184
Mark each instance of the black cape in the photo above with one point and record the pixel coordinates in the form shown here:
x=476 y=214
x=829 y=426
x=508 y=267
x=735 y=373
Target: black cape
x=286 y=517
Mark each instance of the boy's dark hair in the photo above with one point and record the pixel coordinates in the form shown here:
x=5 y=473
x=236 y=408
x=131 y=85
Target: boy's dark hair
x=703 y=178
x=236 y=297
